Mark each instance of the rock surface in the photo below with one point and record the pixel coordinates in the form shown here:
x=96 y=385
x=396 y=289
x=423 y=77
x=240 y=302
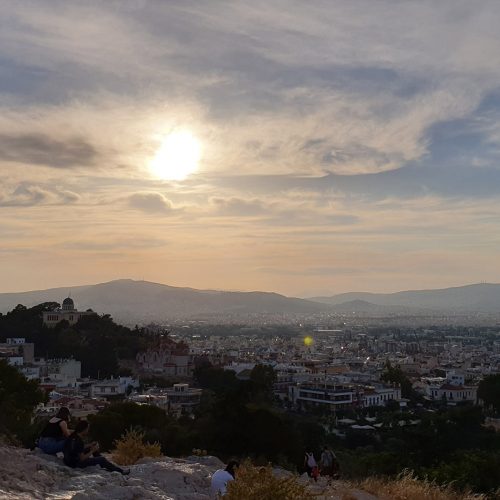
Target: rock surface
x=31 y=475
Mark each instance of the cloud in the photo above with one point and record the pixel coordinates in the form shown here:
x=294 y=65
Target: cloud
x=28 y=195
x=39 y=149
x=150 y=202
x=359 y=76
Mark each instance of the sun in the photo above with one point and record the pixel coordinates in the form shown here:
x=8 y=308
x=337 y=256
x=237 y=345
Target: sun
x=177 y=157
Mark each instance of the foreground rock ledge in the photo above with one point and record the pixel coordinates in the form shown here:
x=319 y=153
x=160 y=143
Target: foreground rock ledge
x=30 y=475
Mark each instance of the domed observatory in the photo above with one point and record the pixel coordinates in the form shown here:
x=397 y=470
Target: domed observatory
x=68 y=312
x=68 y=304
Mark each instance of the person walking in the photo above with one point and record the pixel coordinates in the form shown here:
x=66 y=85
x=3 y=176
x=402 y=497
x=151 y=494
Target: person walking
x=311 y=465
x=327 y=462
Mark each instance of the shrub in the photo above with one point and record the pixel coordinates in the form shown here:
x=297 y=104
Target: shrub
x=407 y=487
x=131 y=447
x=259 y=483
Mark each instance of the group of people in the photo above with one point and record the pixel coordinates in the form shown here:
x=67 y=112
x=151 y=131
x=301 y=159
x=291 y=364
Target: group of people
x=56 y=437
x=327 y=466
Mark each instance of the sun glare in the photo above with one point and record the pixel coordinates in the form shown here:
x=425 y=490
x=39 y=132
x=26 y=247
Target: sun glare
x=177 y=157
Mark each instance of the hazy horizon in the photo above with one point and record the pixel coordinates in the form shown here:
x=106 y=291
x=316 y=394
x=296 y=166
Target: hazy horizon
x=245 y=290
x=302 y=148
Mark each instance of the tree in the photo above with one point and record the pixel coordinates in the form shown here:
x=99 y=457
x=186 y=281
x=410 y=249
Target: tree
x=395 y=375
x=215 y=379
x=109 y=424
x=263 y=377
x=18 y=398
x=489 y=391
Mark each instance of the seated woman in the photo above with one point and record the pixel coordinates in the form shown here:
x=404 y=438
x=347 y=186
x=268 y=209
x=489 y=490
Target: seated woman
x=55 y=432
x=76 y=454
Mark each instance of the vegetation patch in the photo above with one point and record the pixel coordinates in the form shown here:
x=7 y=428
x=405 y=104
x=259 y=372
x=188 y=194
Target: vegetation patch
x=131 y=448
x=259 y=483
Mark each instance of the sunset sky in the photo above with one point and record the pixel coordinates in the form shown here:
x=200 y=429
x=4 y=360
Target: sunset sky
x=336 y=145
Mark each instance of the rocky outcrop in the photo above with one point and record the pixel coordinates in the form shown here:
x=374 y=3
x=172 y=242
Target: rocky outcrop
x=32 y=475
x=28 y=475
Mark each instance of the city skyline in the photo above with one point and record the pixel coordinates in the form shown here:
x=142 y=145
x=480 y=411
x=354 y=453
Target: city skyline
x=303 y=149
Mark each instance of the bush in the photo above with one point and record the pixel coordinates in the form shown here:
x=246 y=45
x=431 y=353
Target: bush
x=477 y=470
x=259 y=483
x=131 y=447
x=407 y=487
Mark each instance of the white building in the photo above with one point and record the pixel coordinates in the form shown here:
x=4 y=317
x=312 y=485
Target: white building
x=380 y=395
x=59 y=372
x=452 y=388
x=453 y=393
x=333 y=396
x=182 y=399
x=68 y=312
x=112 y=387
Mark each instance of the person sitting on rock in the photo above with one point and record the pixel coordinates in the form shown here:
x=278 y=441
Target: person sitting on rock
x=76 y=454
x=221 y=478
x=56 y=431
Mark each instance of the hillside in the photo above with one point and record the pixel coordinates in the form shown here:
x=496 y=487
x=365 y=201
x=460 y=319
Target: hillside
x=477 y=298
x=135 y=301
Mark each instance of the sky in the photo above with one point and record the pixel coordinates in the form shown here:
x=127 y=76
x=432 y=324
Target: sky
x=343 y=145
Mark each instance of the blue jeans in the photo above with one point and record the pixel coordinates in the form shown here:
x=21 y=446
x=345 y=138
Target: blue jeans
x=51 y=446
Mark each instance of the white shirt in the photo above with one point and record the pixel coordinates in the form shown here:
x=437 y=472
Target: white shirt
x=220 y=479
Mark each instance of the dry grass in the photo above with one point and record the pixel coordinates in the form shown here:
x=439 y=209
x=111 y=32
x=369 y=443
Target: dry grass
x=259 y=483
x=131 y=447
x=349 y=496
x=408 y=487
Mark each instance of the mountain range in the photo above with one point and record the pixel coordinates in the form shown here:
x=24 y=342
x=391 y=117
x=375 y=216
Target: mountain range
x=477 y=298
x=132 y=301
x=138 y=301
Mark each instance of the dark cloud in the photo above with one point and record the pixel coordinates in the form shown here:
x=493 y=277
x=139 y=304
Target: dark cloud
x=41 y=149
x=150 y=202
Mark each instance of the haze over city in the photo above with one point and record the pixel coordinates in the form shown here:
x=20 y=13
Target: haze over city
x=307 y=148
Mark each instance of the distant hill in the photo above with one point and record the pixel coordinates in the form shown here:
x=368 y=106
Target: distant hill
x=364 y=308
x=132 y=301
x=478 y=298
